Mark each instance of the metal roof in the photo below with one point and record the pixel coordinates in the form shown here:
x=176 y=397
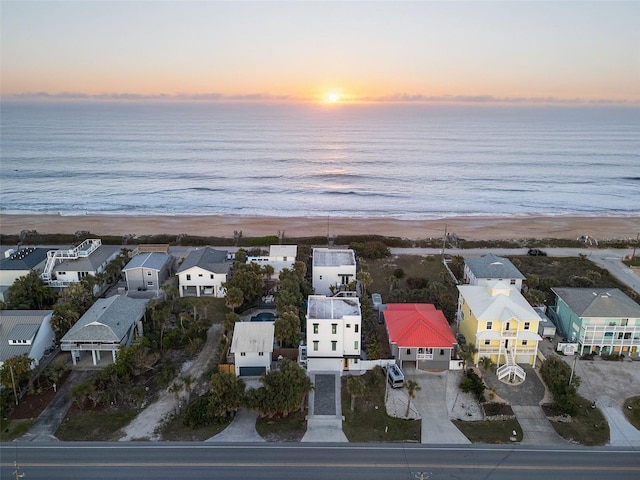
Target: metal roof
x=253 y=337
x=497 y=301
x=152 y=261
x=491 y=266
x=18 y=322
x=598 y=302
x=418 y=325
x=208 y=259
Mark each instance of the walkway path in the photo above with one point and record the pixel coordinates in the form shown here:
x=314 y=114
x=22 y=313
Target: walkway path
x=324 y=419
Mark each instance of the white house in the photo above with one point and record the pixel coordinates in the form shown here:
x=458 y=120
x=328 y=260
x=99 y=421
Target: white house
x=280 y=257
x=334 y=326
x=490 y=268
x=109 y=323
x=203 y=272
x=19 y=263
x=332 y=268
x=252 y=346
x=147 y=271
x=25 y=331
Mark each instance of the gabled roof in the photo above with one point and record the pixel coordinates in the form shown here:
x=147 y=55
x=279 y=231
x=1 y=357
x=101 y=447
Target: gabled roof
x=19 y=325
x=598 y=302
x=207 y=258
x=253 y=337
x=90 y=263
x=108 y=320
x=152 y=261
x=497 y=302
x=24 y=259
x=417 y=325
x=491 y=266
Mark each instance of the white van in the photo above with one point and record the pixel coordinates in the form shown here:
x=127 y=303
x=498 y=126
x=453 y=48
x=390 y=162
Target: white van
x=395 y=376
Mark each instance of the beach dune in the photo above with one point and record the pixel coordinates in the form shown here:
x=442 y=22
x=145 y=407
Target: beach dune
x=470 y=228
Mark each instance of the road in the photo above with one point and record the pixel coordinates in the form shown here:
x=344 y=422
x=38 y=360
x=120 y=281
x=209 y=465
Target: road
x=313 y=462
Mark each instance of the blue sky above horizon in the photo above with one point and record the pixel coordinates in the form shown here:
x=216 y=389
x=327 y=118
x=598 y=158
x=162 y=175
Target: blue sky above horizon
x=333 y=52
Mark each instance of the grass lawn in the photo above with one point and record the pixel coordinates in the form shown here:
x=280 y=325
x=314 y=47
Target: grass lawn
x=587 y=427
x=631 y=410
x=12 y=429
x=370 y=422
x=490 y=431
x=175 y=430
x=94 y=425
x=284 y=429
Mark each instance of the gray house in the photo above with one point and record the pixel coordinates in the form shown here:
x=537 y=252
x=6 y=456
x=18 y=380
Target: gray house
x=18 y=263
x=25 y=331
x=489 y=268
x=147 y=271
x=109 y=323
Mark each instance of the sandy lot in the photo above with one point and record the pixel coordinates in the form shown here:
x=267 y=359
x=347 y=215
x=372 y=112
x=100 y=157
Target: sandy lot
x=478 y=228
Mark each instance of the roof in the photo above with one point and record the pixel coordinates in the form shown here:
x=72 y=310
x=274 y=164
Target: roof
x=329 y=257
x=253 y=337
x=418 y=325
x=90 y=263
x=19 y=325
x=497 y=301
x=152 y=261
x=491 y=266
x=598 y=302
x=283 y=251
x=332 y=308
x=24 y=259
x=108 y=320
x=208 y=259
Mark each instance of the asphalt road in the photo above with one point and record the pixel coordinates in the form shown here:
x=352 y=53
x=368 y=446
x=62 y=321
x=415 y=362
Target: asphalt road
x=159 y=461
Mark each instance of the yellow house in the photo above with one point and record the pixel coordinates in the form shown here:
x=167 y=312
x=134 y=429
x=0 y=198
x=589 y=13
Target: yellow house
x=499 y=321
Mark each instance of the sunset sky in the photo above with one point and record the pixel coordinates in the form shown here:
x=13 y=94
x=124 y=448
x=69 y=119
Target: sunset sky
x=323 y=51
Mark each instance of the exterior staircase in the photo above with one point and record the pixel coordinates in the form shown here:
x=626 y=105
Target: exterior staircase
x=511 y=369
x=85 y=249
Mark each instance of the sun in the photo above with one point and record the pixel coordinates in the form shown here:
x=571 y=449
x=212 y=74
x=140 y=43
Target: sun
x=332 y=97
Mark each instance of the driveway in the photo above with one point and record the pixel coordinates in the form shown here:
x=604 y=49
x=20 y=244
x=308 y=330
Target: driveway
x=324 y=419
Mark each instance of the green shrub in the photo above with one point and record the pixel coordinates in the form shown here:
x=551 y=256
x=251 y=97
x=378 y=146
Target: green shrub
x=472 y=383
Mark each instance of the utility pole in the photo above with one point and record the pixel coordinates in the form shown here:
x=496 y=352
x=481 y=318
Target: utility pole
x=573 y=368
x=444 y=241
x=13 y=383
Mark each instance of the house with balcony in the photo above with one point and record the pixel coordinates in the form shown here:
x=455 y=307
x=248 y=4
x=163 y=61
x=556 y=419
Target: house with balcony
x=600 y=320
x=26 y=332
x=19 y=263
x=280 y=257
x=499 y=321
x=109 y=323
x=252 y=348
x=147 y=271
x=420 y=335
x=332 y=270
x=203 y=272
x=334 y=329
x=490 y=268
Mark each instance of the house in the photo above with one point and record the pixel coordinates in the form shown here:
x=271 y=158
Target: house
x=280 y=257
x=108 y=324
x=333 y=333
x=26 y=331
x=490 y=268
x=420 y=334
x=499 y=321
x=203 y=272
x=147 y=271
x=71 y=266
x=600 y=320
x=332 y=269
x=19 y=263
x=252 y=346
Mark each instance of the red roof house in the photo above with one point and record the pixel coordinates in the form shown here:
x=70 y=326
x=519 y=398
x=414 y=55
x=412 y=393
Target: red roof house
x=419 y=333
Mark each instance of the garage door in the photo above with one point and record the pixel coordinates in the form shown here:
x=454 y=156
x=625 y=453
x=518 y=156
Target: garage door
x=252 y=371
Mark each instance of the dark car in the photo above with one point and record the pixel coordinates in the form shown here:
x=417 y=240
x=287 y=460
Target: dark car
x=461 y=340
x=536 y=252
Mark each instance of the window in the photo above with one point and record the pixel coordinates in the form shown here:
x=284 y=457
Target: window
x=527 y=325
x=513 y=281
x=243 y=354
x=408 y=351
x=188 y=276
x=355 y=345
x=420 y=351
x=148 y=274
x=334 y=328
x=261 y=354
x=320 y=277
x=357 y=328
x=441 y=351
x=150 y=284
x=199 y=274
x=211 y=276
x=524 y=343
x=348 y=325
x=487 y=342
x=285 y=259
x=489 y=325
x=315 y=328
x=315 y=345
x=334 y=346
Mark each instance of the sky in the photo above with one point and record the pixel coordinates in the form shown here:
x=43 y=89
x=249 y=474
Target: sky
x=342 y=51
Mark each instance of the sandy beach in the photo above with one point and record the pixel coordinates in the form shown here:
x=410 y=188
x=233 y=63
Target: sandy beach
x=477 y=228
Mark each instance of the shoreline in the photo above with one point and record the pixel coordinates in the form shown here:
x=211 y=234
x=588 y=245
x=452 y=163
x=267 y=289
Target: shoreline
x=470 y=228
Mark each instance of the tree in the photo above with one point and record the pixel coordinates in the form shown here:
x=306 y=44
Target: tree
x=226 y=394
x=287 y=327
x=486 y=364
x=29 y=293
x=356 y=387
x=267 y=271
x=472 y=383
x=234 y=298
x=557 y=375
x=457 y=266
x=230 y=320
x=15 y=373
x=412 y=388
x=535 y=297
x=246 y=277
x=73 y=302
x=365 y=280
x=467 y=352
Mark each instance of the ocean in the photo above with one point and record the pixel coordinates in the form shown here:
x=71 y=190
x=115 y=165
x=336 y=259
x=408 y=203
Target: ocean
x=402 y=161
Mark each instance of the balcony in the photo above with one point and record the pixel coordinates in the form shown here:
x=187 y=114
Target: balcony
x=509 y=333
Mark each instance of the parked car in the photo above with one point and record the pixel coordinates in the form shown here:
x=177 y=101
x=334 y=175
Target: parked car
x=461 y=340
x=536 y=252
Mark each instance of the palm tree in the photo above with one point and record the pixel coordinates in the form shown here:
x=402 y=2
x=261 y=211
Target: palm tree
x=355 y=386
x=365 y=280
x=234 y=298
x=467 y=353
x=485 y=364
x=412 y=388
